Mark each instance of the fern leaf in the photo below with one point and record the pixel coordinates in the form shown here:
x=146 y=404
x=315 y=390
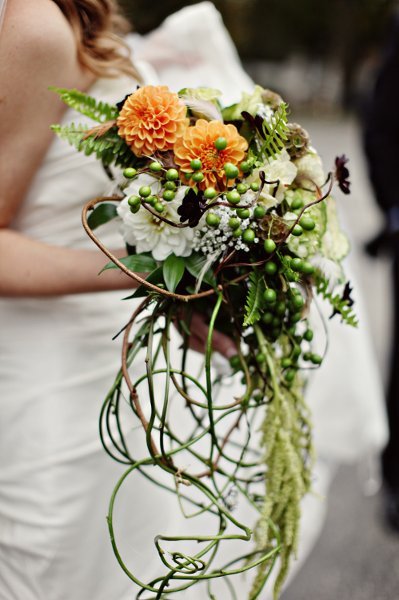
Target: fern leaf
x=275 y=132
x=109 y=148
x=87 y=105
x=254 y=299
x=339 y=303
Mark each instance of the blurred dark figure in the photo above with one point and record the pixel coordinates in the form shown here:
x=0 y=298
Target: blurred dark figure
x=381 y=136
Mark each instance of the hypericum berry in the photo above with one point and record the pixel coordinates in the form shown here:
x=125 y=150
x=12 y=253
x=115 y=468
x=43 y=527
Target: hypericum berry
x=267 y=318
x=170 y=185
x=233 y=197
x=307 y=268
x=297 y=230
x=276 y=323
x=270 y=296
x=237 y=232
x=316 y=359
x=296 y=204
x=308 y=335
x=212 y=219
x=159 y=207
x=196 y=164
x=145 y=191
x=234 y=223
x=169 y=195
x=172 y=174
x=289 y=375
x=134 y=201
x=260 y=358
x=129 y=173
x=269 y=246
x=246 y=166
x=151 y=200
x=187 y=176
x=271 y=267
x=280 y=308
x=198 y=176
x=210 y=193
x=296 y=264
x=297 y=301
x=230 y=170
x=242 y=188
x=220 y=143
x=296 y=317
x=286 y=362
x=295 y=353
x=255 y=187
x=259 y=211
x=155 y=166
x=235 y=362
x=307 y=223
x=134 y=209
x=306 y=355
x=243 y=213
x=248 y=235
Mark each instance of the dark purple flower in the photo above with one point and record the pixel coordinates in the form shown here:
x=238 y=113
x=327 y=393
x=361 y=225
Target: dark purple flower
x=192 y=208
x=342 y=174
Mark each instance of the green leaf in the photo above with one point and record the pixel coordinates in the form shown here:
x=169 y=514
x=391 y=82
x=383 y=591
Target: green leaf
x=275 y=132
x=102 y=214
x=194 y=265
x=254 y=301
x=138 y=263
x=86 y=105
x=173 y=269
x=154 y=277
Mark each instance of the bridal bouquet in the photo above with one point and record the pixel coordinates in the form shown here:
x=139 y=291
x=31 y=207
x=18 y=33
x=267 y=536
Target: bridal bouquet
x=226 y=213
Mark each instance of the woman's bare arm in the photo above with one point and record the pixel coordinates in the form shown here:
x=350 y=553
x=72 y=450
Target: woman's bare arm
x=38 y=50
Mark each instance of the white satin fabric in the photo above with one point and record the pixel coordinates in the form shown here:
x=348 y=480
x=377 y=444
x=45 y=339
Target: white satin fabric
x=57 y=362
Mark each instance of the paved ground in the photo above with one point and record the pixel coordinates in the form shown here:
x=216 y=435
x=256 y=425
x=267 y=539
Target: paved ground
x=356 y=558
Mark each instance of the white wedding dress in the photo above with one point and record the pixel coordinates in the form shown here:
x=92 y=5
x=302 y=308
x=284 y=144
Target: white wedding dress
x=57 y=362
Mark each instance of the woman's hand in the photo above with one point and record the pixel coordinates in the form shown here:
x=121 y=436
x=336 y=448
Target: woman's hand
x=199 y=333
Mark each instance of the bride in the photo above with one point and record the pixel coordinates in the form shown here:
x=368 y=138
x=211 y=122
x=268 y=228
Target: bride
x=57 y=316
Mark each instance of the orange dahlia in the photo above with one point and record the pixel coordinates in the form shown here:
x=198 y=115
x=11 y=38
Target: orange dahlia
x=152 y=118
x=198 y=142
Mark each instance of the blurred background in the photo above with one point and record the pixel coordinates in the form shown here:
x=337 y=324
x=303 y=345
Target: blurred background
x=322 y=56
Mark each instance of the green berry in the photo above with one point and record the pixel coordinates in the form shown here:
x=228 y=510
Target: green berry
x=237 y=232
x=235 y=362
x=198 y=176
x=134 y=201
x=296 y=204
x=134 y=209
x=259 y=211
x=210 y=193
x=233 y=197
x=297 y=230
x=286 y=362
x=196 y=164
x=220 y=143
x=151 y=200
x=269 y=296
x=267 y=318
x=230 y=170
x=170 y=185
x=297 y=301
x=307 y=356
x=145 y=191
x=234 y=223
x=295 y=353
x=242 y=188
x=296 y=317
x=155 y=167
x=130 y=173
x=271 y=267
x=308 y=335
x=289 y=375
x=248 y=236
x=269 y=246
x=276 y=323
x=280 y=308
x=172 y=175
x=159 y=207
x=296 y=264
x=316 y=359
x=169 y=195
x=246 y=166
x=212 y=219
x=255 y=187
x=260 y=358
x=307 y=223
x=307 y=268
x=187 y=176
x=243 y=213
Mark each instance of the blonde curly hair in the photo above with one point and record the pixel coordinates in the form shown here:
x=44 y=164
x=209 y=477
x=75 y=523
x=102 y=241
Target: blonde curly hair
x=98 y=25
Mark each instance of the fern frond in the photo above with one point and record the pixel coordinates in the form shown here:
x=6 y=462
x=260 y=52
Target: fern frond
x=254 y=299
x=275 y=132
x=110 y=148
x=87 y=105
x=339 y=303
